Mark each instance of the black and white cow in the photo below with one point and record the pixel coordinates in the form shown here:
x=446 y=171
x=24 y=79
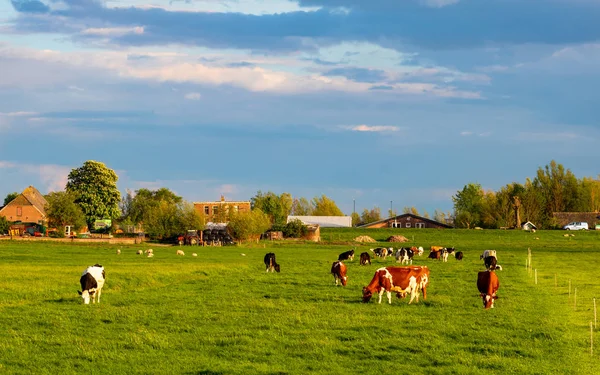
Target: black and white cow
x=382 y=252
x=445 y=252
x=404 y=255
x=92 y=281
x=491 y=263
x=347 y=255
x=271 y=263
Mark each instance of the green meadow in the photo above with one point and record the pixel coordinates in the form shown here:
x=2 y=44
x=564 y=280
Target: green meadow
x=221 y=313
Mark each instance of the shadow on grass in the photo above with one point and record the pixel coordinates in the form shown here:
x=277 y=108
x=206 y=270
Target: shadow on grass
x=73 y=301
x=206 y=372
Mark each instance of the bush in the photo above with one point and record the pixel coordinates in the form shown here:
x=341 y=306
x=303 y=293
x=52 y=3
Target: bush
x=4 y=225
x=246 y=226
x=294 y=229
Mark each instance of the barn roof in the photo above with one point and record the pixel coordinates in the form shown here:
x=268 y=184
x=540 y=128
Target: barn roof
x=403 y=216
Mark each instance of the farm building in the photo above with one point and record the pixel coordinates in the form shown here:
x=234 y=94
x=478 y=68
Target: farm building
x=528 y=226
x=324 y=221
x=314 y=233
x=27 y=207
x=218 y=211
x=406 y=221
x=564 y=218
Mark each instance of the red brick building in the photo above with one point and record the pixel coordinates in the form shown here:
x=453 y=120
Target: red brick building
x=406 y=221
x=27 y=207
x=218 y=211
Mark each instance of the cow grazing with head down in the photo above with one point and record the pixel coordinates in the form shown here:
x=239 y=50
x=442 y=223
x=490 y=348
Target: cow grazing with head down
x=365 y=259
x=445 y=252
x=382 y=252
x=491 y=263
x=487 y=253
x=417 y=250
x=347 y=255
x=92 y=281
x=402 y=280
x=435 y=254
x=458 y=255
x=404 y=255
x=338 y=269
x=270 y=262
x=488 y=284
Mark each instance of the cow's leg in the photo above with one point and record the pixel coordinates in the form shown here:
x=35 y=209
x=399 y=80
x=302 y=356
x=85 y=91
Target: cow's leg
x=389 y=296
x=99 y=292
x=381 y=295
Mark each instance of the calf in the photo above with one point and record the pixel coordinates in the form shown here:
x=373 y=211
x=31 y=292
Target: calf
x=487 y=253
x=447 y=251
x=404 y=255
x=365 y=258
x=417 y=250
x=458 y=255
x=338 y=269
x=382 y=252
x=491 y=263
x=435 y=254
x=92 y=281
x=488 y=284
x=270 y=262
x=402 y=280
x=347 y=255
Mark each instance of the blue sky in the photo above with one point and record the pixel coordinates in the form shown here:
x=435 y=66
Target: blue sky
x=367 y=101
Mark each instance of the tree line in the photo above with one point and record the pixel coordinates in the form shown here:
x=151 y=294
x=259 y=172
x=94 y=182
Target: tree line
x=553 y=189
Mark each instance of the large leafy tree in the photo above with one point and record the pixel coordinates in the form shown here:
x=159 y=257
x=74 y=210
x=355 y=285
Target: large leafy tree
x=468 y=205
x=324 y=206
x=161 y=212
x=277 y=207
x=249 y=225
x=370 y=216
x=95 y=188
x=9 y=197
x=62 y=210
x=301 y=207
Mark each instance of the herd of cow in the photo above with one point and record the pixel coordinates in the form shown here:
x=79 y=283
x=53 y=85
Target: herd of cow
x=403 y=280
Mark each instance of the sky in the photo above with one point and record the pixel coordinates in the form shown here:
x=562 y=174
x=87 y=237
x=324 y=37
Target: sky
x=388 y=103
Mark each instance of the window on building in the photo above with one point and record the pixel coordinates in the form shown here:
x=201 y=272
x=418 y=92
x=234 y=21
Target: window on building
x=235 y=208
x=206 y=210
x=19 y=211
x=408 y=225
x=215 y=210
x=419 y=225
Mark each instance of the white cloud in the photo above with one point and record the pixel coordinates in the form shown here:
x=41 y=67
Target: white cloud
x=53 y=177
x=438 y=3
x=466 y=133
x=193 y=96
x=369 y=128
x=256 y=7
x=113 y=31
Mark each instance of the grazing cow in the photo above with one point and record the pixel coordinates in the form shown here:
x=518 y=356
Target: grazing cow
x=435 y=254
x=445 y=252
x=404 y=255
x=271 y=263
x=488 y=284
x=382 y=252
x=347 y=255
x=402 y=280
x=338 y=269
x=92 y=281
x=365 y=258
x=139 y=252
x=492 y=264
x=417 y=250
x=436 y=248
x=458 y=255
x=180 y=252
x=488 y=253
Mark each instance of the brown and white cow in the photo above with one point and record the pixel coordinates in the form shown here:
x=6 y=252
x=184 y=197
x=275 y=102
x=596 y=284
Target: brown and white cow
x=365 y=259
x=488 y=284
x=402 y=280
x=382 y=252
x=338 y=269
x=435 y=254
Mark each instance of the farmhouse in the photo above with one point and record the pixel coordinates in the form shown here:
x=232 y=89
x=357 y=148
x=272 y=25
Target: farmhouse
x=218 y=211
x=27 y=207
x=324 y=221
x=406 y=221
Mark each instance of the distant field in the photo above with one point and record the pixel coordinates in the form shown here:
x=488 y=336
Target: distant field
x=220 y=313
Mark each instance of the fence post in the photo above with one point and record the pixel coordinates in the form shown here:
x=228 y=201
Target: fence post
x=575 y=300
x=595 y=321
x=591 y=339
x=536 y=276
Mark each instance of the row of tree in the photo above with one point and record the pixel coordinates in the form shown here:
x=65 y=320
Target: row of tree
x=554 y=189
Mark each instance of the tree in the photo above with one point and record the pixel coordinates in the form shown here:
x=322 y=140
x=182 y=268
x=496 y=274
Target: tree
x=370 y=216
x=323 y=206
x=62 y=210
x=295 y=229
x=4 y=225
x=277 y=207
x=95 y=188
x=10 y=197
x=301 y=207
x=356 y=219
x=249 y=225
x=468 y=205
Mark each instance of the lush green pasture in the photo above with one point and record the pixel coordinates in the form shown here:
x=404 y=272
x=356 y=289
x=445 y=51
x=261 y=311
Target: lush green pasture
x=220 y=313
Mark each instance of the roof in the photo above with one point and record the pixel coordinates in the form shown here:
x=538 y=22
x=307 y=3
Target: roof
x=403 y=216
x=31 y=196
x=324 y=221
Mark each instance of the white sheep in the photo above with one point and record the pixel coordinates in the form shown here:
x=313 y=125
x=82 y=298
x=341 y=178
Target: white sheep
x=180 y=252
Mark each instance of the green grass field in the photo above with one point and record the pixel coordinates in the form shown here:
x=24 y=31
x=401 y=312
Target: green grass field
x=220 y=313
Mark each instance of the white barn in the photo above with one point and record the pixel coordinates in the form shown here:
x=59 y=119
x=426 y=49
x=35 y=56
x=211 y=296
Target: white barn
x=324 y=221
